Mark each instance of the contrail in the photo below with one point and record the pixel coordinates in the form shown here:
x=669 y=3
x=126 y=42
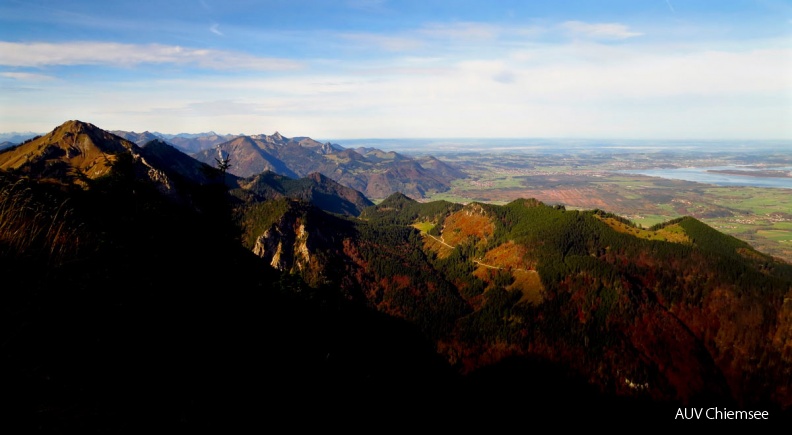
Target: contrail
x=670 y=7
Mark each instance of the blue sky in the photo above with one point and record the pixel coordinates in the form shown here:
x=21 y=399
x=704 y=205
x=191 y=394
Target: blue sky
x=638 y=69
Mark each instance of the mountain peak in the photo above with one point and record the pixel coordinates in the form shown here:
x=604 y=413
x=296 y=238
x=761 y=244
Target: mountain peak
x=78 y=133
x=397 y=200
x=73 y=145
x=75 y=126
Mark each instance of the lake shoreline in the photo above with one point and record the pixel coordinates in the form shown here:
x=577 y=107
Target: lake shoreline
x=721 y=176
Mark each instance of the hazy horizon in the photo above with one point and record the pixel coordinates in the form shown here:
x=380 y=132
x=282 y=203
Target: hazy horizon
x=544 y=145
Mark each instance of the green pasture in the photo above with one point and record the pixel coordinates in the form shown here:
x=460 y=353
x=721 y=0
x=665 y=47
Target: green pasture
x=777 y=235
x=424 y=227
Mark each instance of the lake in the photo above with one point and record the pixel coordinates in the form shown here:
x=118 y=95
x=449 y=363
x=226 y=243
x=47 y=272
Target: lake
x=701 y=175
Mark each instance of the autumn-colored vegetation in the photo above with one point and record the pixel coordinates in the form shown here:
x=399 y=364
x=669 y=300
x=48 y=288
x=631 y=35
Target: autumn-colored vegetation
x=590 y=290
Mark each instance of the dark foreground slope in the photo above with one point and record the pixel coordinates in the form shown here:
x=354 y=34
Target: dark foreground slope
x=137 y=314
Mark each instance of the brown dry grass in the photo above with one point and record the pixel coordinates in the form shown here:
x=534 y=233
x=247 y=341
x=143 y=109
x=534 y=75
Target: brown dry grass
x=529 y=283
x=509 y=255
x=515 y=259
x=431 y=243
x=29 y=227
x=468 y=222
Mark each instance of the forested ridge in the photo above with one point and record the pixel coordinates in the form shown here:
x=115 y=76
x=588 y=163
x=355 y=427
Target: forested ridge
x=640 y=317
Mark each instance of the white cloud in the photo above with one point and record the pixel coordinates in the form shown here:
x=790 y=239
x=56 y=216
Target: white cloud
x=213 y=108
x=599 y=30
x=26 y=76
x=616 y=92
x=40 y=54
x=215 y=28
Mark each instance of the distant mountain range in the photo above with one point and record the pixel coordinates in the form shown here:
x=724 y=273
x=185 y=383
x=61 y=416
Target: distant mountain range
x=78 y=152
x=14 y=138
x=187 y=142
x=374 y=172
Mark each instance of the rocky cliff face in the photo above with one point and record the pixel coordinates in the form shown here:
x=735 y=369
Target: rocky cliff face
x=305 y=241
x=285 y=246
